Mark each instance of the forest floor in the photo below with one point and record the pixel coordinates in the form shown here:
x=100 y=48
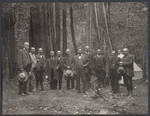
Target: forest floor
x=70 y=102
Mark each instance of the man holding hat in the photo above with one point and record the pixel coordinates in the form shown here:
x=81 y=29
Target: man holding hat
x=129 y=71
x=68 y=63
x=40 y=69
x=24 y=63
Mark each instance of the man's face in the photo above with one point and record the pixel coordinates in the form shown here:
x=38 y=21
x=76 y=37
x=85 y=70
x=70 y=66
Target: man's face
x=80 y=51
x=125 y=51
x=51 y=53
x=67 y=52
x=98 y=51
x=26 y=45
x=33 y=50
x=58 y=53
x=40 y=51
x=87 y=48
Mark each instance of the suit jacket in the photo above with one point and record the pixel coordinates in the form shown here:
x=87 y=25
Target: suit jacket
x=60 y=61
x=51 y=68
x=128 y=65
x=114 y=62
x=99 y=62
x=68 y=61
x=40 y=62
x=78 y=63
x=24 y=60
x=90 y=58
x=33 y=60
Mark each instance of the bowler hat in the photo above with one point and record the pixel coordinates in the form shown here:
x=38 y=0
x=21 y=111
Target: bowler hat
x=23 y=76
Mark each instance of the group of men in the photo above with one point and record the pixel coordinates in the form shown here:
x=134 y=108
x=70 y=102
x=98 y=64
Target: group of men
x=78 y=68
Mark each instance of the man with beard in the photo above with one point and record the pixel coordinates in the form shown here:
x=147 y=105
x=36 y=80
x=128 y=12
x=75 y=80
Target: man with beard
x=24 y=63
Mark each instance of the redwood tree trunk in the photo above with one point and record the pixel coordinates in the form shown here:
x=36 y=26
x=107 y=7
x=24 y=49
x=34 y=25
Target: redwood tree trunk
x=64 y=32
x=72 y=30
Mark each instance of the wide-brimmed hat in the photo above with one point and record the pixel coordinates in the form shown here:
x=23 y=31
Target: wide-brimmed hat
x=68 y=73
x=23 y=76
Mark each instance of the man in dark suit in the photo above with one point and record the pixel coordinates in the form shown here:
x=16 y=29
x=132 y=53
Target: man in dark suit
x=40 y=69
x=113 y=66
x=59 y=67
x=89 y=67
x=24 y=63
x=129 y=71
x=100 y=68
x=80 y=61
x=68 y=63
x=52 y=71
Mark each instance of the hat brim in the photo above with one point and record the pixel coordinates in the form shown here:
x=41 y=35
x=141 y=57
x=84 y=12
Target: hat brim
x=23 y=79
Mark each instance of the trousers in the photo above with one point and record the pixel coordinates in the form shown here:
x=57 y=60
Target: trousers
x=114 y=80
x=100 y=74
x=39 y=79
x=80 y=80
x=128 y=82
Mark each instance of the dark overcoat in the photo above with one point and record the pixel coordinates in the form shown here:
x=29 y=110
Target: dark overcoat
x=99 y=62
x=128 y=65
x=24 y=59
x=51 y=69
x=79 y=63
x=40 y=62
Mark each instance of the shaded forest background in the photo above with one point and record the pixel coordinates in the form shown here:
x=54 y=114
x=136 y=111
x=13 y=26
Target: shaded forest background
x=56 y=26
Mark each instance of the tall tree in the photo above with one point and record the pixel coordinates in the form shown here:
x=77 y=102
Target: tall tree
x=64 y=30
x=57 y=11
x=72 y=30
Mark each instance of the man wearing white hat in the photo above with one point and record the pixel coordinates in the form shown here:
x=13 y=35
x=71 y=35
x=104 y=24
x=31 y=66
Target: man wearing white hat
x=129 y=71
x=24 y=63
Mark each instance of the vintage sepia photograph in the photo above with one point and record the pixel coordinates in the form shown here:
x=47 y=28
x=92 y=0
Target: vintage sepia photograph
x=74 y=58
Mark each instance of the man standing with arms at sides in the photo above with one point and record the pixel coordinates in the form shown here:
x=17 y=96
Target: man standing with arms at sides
x=113 y=66
x=40 y=69
x=100 y=68
x=52 y=71
x=68 y=63
x=80 y=61
x=129 y=71
x=24 y=63
x=89 y=67
x=32 y=82
x=59 y=67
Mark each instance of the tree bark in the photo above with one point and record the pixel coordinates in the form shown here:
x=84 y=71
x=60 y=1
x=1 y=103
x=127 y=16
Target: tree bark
x=57 y=11
x=64 y=31
x=72 y=30
x=106 y=24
